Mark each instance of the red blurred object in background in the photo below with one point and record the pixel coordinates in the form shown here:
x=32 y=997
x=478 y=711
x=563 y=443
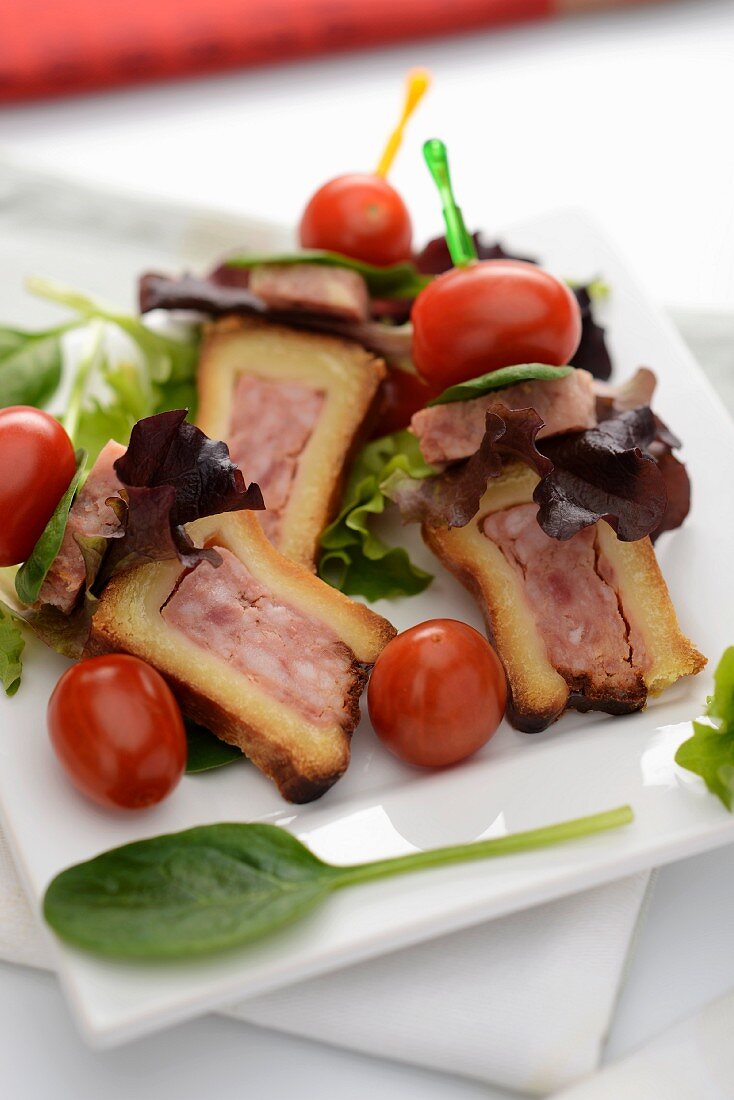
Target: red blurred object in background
x=57 y=48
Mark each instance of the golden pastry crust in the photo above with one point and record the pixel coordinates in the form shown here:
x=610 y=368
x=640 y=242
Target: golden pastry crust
x=348 y=376
x=302 y=758
x=537 y=692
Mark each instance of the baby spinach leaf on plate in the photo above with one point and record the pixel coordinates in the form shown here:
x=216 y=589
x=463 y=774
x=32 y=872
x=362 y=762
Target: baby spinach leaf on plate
x=495 y=380
x=353 y=558
x=396 y=281
x=219 y=886
x=206 y=751
x=11 y=649
x=710 y=751
x=32 y=573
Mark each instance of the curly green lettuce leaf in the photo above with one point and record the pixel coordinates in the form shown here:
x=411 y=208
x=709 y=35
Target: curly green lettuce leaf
x=30 y=365
x=396 y=281
x=498 y=379
x=710 y=751
x=166 y=358
x=11 y=649
x=353 y=558
x=33 y=572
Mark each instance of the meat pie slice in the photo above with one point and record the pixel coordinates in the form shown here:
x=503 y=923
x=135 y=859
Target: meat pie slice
x=586 y=623
x=291 y=406
x=258 y=649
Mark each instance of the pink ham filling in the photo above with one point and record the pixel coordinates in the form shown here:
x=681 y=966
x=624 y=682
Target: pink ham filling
x=450 y=432
x=89 y=516
x=570 y=588
x=317 y=288
x=296 y=660
x=271 y=424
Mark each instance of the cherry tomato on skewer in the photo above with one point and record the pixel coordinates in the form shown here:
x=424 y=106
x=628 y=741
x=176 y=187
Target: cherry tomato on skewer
x=117 y=731
x=481 y=316
x=437 y=693
x=492 y=314
x=37 y=463
x=361 y=215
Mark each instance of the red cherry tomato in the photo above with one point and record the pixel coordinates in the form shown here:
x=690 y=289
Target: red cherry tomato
x=401 y=395
x=437 y=693
x=492 y=314
x=361 y=216
x=118 y=731
x=36 y=463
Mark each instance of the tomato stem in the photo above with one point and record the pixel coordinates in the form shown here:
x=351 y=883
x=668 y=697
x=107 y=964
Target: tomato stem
x=458 y=239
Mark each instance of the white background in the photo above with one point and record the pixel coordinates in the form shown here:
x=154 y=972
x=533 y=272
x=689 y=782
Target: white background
x=627 y=114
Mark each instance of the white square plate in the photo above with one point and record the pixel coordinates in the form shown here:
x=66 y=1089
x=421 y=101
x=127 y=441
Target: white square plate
x=381 y=808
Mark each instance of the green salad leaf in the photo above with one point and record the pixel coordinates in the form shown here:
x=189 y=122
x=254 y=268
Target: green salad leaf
x=30 y=365
x=32 y=573
x=396 y=281
x=498 y=379
x=710 y=751
x=353 y=558
x=11 y=649
x=219 y=886
x=206 y=751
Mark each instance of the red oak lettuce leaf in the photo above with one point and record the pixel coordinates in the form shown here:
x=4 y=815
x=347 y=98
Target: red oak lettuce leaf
x=452 y=498
x=435 y=258
x=603 y=473
x=173 y=474
x=210 y=295
x=678 y=486
x=592 y=353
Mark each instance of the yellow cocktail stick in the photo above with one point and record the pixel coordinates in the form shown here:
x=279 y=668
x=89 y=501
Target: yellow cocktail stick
x=416 y=87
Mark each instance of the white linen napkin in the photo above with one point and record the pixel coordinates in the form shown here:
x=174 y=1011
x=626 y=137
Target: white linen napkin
x=691 y=1061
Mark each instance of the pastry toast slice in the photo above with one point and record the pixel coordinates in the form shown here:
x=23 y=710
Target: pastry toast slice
x=586 y=623
x=291 y=406
x=258 y=649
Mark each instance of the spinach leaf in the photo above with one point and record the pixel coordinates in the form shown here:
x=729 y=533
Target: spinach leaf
x=30 y=365
x=11 y=648
x=353 y=559
x=397 y=281
x=710 y=751
x=206 y=751
x=219 y=886
x=497 y=379
x=32 y=573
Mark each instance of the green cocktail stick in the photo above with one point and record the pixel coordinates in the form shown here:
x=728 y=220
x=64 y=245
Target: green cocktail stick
x=461 y=246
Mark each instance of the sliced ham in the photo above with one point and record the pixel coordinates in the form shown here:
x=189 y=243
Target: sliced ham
x=89 y=516
x=570 y=588
x=299 y=662
x=315 y=288
x=451 y=432
x=271 y=424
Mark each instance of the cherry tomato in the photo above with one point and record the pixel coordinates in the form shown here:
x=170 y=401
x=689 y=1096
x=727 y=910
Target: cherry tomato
x=401 y=395
x=37 y=463
x=118 y=731
x=361 y=216
x=492 y=314
x=437 y=693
